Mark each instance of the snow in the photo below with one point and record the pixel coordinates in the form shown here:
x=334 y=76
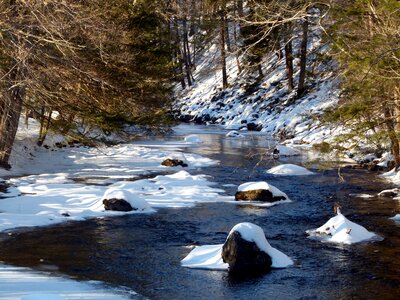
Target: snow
x=341 y=230
x=269 y=104
x=287 y=151
x=261 y=185
x=396 y=218
x=392 y=176
x=205 y=257
x=289 y=169
x=23 y=283
x=234 y=133
x=209 y=256
x=32 y=203
x=195 y=139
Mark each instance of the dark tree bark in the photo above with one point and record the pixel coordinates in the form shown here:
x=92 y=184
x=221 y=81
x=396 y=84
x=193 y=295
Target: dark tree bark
x=222 y=47
x=289 y=61
x=10 y=110
x=303 y=59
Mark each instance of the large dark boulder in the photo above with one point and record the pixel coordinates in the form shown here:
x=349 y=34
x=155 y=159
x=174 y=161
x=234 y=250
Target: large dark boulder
x=173 y=163
x=244 y=257
x=254 y=127
x=257 y=195
x=117 y=205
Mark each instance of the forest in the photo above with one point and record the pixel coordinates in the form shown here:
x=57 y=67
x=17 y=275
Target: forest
x=72 y=63
x=163 y=149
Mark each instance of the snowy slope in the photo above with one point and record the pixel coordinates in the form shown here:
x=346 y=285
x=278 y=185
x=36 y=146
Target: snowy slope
x=269 y=104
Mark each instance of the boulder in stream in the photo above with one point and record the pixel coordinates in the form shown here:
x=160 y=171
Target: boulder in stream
x=117 y=205
x=259 y=191
x=244 y=257
x=171 y=162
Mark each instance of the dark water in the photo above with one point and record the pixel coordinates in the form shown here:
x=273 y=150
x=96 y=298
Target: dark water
x=143 y=252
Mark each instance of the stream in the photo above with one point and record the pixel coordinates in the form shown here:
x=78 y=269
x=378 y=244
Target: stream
x=143 y=252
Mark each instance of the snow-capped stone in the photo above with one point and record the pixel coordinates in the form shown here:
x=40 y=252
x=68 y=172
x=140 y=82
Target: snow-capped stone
x=195 y=139
x=389 y=193
x=290 y=170
x=261 y=191
x=234 y=133
x=341 y=230
x=136 y=203
x=210 y=257
x=396 y=218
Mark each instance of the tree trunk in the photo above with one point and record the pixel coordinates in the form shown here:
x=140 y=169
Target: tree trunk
x=303 y=59
x=394 y=140
x=222 y=48
x=289 y=58
x=10 y=110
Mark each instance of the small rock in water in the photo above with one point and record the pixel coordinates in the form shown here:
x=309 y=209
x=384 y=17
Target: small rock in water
x=257 y=195
x=173 y=163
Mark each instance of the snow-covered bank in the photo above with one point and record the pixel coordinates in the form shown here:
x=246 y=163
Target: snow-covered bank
x=23 y=283
x=71 y=182
x=266 y=105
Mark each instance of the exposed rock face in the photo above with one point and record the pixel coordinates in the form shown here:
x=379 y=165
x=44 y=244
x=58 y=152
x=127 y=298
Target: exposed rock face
x=244 y=257
x=117 y=205
x=258 y=195
x=173 y=163
x=254 y=127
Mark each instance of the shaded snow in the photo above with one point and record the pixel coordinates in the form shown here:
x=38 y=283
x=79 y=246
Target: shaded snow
x=290 y=170
x=23 y=283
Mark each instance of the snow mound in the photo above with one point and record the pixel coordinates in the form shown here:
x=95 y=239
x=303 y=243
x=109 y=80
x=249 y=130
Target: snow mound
x=209 y=256
x=392 y=176
x=195 y=139
x=396 y=218
x=135 y=201
x=289 y=169
x=287 y=151
x=234 y=133
x=341 y=230
x=262 y=185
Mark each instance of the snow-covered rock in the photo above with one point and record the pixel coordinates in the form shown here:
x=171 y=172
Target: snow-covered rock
x=290 y=170
x=234 y=133
x=210 y=257
x=261 y=191
x=136 y=203
x=389 y=193
x=341 y=230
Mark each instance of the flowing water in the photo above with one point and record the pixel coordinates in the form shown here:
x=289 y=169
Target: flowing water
x=143 y=252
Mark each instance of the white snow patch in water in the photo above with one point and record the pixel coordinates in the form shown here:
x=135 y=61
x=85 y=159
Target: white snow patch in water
x=261 y=185
x=396 y=218
x=209 y=256
x=341 y=230
x=287 y=151
x=290 y=170
x=234 y=133
x=195 y=139
x=23 y=283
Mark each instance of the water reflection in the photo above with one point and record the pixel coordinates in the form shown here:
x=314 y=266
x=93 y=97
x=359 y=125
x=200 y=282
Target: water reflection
x=143 y=252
